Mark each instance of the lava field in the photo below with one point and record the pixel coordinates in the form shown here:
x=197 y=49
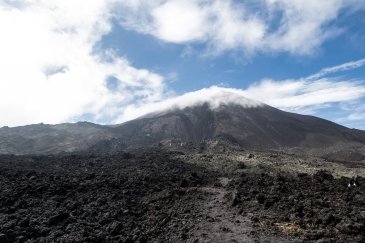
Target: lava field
x=155 y=197
x=316 y=207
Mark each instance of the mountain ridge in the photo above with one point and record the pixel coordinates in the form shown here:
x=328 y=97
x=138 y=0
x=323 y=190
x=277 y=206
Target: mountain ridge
x=250 y=122
x=252 y=127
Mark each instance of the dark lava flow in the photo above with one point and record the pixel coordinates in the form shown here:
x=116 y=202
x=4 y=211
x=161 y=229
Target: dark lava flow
x=97 y=199
x=152 y=197
x=312 y=208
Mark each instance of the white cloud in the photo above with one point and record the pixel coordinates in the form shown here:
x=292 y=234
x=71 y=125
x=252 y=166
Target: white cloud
x=355 y=111
x=294 y=95
x=297 y=27
x=352 y=114
x=49 y=71
x=235 y=28
x=357 y=116
x=180 y=21
x=214 y=96
x=339 y=68
x=303 y=25
x=220 y=24
x=310 y=94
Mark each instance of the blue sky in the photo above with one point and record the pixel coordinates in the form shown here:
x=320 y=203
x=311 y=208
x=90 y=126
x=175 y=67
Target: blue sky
x=196 y=71
x=115 y=60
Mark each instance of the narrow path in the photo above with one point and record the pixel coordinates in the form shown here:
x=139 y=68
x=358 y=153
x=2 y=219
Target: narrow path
x=221 y=223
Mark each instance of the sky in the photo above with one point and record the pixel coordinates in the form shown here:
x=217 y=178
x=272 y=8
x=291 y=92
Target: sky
x=109 y=61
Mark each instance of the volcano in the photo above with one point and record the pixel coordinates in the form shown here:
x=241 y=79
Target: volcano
x=223 y=116
x=257 y=128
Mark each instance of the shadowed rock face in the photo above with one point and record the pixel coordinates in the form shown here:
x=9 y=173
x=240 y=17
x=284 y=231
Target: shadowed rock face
x=259 y=128
x=255 y=128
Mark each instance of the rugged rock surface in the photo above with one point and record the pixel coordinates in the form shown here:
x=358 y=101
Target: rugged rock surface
x=98 y=199
x=156 y=197
x=317 y=207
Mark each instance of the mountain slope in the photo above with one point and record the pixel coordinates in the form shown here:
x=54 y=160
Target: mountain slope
x=262 y=127
x=48 y=139
x=247 y=124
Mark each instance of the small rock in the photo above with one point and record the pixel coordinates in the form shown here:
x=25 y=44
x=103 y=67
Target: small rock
x=3 y=238
x=55 y=220
x=260 y=198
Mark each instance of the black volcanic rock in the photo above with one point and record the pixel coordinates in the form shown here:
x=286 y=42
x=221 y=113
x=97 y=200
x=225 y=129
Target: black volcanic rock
x=98 y=199
x=155 y=197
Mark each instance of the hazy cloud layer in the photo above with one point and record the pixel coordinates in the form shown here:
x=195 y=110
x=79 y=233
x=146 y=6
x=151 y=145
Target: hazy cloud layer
x=296 y=27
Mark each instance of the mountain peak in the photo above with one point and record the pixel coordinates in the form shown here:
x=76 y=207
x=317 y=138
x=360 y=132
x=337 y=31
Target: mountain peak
x=214 y=96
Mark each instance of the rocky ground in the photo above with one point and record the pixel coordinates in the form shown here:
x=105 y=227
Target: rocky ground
x=308 y=207
x=160 y=196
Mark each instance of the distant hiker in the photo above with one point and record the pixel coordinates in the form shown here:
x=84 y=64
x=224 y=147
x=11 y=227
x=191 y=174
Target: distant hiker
x=354 y=182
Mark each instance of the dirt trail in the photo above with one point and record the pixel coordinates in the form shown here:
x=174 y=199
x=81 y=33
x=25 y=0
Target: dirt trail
x=222 y=223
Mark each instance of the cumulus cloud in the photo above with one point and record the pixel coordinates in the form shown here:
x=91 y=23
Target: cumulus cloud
x=304 y=25
x=180 y=21
x=220 y=24
x=50 y=71
x=296 y=27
